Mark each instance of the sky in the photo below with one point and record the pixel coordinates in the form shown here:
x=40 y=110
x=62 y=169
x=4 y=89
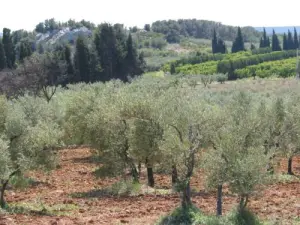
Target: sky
x=25 y=14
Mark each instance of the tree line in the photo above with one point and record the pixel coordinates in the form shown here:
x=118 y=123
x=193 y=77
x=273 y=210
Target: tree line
x=290 y=42
x=110 y=54
x=173 y=29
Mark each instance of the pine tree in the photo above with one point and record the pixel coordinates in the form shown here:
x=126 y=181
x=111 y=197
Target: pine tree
x=2 y=56
x=8 y=48
x=214 y=43
x=296 y=40
x=82 y=61
x=238 y=44
x=285 y=42
x=290 y=41
x=275 y=42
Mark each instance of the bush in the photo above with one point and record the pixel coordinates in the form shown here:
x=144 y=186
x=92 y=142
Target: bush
x=221 y=78
x=243 y=218
x=181 y=216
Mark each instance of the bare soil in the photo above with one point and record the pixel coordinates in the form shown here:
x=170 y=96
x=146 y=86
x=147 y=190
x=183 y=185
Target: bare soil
x=74 y=179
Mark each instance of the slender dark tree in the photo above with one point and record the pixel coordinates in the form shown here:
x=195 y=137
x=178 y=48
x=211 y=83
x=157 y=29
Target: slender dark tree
x=131 y=58
x=296 y=40
x=2 y=57
x=285 y=42
x=221 y=46
x=82 y=63
x=68 y=59
x=238 y=44
x=265 y=40
x=290 y=41
x=105 y=42
x=275 y=42
x=214 y=42
x=8 y=48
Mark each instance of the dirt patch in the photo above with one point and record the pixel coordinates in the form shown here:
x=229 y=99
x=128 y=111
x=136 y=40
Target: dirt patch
x=56 y=191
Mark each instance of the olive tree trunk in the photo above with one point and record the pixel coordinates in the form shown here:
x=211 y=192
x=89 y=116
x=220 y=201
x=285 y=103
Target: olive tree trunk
x=290 y=165
x=186 y=196
x=219 y=200
x=174 y=175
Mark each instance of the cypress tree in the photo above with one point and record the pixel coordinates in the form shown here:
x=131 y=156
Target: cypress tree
x=221 y=47
x=264 y=41
x=214 y=43
x=290 y=41
x=8 y=48
x=82 y=61
x=275 y=42
x=296 y=40
x=238 y=44
x=2 y=57
x=131 y=57
x=68 y=59
x=285 y=42
x=105 y=42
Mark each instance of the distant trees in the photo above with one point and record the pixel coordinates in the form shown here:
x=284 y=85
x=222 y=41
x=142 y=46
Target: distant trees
x=275 y=42
x=172 y=29
x=117 y=54
x=264 y=41
x=238 y=44
x=285 y=42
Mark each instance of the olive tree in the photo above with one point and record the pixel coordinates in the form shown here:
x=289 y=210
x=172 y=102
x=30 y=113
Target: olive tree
x=289 y=141
x=188 y=125
x=238 y=157
x=27 y=143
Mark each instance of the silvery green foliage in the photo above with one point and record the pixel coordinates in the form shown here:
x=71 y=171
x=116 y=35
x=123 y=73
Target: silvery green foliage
x=32 y=132
x=239 y=156
x=188 y=125
x=5 y=163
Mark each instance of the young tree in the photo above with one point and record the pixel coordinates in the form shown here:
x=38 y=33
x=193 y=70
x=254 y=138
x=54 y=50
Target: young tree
x=238 y=44
x=2 y=56
x=252 y=47
x=221 y=46
x=275 y=42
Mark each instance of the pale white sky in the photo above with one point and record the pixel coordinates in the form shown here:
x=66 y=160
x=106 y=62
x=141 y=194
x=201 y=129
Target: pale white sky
x=25 y=14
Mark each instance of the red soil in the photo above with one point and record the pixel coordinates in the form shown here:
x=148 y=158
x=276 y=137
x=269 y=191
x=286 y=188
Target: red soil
x=278 y=201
